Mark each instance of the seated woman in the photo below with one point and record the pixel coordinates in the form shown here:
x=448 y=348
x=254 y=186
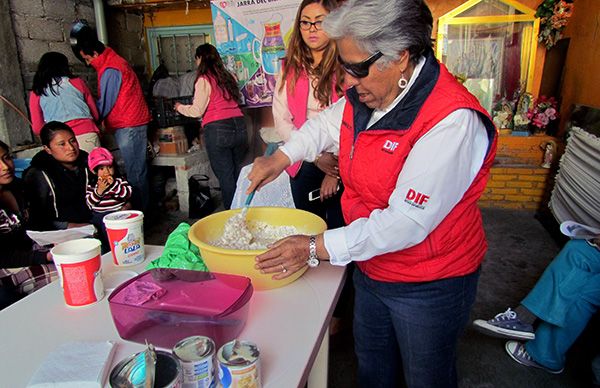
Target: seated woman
x=556 y=310
x=56 y=181
x=19 y=261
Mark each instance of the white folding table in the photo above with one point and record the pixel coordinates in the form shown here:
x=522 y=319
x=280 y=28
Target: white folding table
x=289 y=324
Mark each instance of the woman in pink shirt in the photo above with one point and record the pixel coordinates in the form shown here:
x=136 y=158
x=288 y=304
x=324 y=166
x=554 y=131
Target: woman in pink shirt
x=310 y=81
x=58 y=95
x=216 y=99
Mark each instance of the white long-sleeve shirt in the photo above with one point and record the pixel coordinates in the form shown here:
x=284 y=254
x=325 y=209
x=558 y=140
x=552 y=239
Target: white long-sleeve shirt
x=202 y=90
x=442 y=163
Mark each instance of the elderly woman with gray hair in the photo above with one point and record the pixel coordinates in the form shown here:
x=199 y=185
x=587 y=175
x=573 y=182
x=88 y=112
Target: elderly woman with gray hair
x=415 y=152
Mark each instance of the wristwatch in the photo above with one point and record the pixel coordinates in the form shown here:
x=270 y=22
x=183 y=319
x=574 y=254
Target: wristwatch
x=313 y=260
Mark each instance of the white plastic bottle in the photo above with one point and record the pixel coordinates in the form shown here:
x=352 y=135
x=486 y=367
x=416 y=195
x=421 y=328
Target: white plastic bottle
x=230 y=30
x=221 y=35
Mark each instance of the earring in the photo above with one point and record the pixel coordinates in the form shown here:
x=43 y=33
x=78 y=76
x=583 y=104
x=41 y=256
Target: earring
x=402 y=82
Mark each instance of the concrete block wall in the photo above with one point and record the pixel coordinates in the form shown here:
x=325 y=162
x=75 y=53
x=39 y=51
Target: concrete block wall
x=126 y=35
x=44 y=25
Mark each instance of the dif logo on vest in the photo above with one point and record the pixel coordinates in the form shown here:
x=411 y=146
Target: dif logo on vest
x=416 y=199
x=390 y=146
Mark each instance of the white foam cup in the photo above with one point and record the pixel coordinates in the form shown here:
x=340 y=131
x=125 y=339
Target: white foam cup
x=80 y=270
x=125 y=230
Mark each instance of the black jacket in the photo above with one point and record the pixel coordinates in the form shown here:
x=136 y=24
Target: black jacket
x=17 y=249
x=56 y=195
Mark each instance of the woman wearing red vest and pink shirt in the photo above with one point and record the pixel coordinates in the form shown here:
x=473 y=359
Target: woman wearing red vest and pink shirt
x=310 y=81
x=415 y=152
x=216 y=98
x=58 y=95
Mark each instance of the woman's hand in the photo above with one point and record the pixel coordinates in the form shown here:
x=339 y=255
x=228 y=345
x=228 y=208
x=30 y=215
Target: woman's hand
x=176 y=106
x=265 y=169
x=287 y=256
x=328 y=163
x=329 y=187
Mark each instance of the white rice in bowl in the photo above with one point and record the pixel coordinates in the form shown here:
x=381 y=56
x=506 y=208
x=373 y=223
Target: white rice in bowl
x=251 y=235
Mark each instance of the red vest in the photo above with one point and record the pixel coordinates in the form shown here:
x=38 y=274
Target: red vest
x=298 y=105
x=130 y=109
x=218 y=107
x=457 y=246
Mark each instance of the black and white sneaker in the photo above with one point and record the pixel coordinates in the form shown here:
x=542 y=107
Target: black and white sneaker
x=505 y=325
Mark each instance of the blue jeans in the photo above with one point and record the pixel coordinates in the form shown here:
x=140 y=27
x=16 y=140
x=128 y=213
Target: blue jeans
x=412 y=327
x=98 y=221
x=565 y=298
x=226 y=145
x=132 y=142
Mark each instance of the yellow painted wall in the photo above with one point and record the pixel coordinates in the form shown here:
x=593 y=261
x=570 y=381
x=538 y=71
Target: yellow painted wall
x=581 y=83
x=170 y=18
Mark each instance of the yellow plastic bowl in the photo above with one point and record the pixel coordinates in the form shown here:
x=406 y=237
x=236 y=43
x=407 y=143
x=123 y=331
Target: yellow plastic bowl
x=241 y=262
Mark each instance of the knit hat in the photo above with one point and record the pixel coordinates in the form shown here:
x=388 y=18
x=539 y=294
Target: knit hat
x=99 y=156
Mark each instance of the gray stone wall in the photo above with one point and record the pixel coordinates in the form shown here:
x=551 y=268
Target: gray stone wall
x=30 y=28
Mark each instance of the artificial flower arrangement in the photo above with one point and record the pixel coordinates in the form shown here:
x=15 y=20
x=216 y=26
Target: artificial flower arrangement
x=554 y=15
x=523 y=113
x=542 y=112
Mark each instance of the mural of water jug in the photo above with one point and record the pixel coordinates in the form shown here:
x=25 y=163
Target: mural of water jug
x=271 y=50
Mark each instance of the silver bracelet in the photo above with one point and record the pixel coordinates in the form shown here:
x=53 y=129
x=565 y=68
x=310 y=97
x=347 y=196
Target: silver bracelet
x=313 y=260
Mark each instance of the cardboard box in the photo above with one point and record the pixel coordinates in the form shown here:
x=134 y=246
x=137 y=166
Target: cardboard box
x=172 y=140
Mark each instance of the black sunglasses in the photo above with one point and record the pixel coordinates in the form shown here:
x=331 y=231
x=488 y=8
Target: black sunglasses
x=360 y=69
x=306 y=25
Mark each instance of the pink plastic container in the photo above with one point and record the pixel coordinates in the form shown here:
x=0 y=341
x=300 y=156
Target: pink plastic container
x=195 y=303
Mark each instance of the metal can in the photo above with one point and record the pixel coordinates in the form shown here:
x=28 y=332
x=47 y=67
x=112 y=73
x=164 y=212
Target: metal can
x=131 y=372
x=239 y=365
x=196 y=355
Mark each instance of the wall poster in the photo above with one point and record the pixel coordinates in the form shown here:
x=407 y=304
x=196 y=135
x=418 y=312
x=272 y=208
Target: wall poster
x=251 y=36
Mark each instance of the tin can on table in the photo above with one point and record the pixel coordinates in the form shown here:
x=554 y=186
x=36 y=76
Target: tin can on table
x=196 y=355
x=131 y=372
x=239 y=365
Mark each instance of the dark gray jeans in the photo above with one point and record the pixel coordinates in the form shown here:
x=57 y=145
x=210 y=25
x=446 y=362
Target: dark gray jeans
x=226 y=144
